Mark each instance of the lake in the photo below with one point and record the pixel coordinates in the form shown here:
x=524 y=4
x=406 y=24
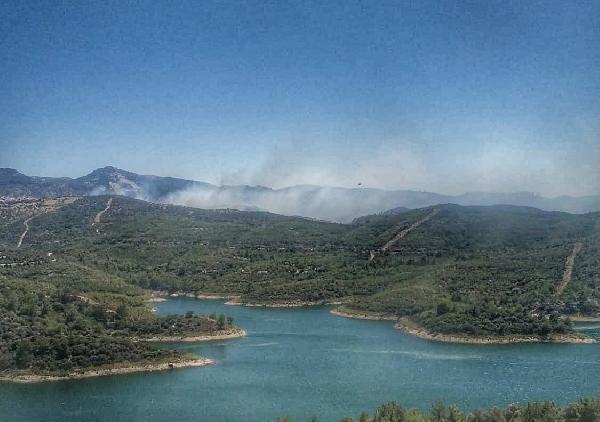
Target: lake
x=304 y=362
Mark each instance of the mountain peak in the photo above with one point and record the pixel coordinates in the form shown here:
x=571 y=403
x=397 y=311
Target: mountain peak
x=7 y=172
x=12 y=176
x=109 y=173
x=323 y=203
x=107 y=170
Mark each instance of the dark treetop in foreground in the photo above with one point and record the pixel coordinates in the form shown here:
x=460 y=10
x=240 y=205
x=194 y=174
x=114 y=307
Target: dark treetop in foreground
x=584 y=410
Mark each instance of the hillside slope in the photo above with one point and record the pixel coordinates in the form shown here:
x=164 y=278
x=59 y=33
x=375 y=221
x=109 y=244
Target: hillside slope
x=63 y=317
x=479 y=271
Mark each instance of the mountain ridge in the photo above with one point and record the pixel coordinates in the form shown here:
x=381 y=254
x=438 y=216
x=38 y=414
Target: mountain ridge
x=321 y=202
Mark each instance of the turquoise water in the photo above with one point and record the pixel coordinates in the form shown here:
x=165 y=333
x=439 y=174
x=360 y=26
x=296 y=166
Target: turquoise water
x=303 y=362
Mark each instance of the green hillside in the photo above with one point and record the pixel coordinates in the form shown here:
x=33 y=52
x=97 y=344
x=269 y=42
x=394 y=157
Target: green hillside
x=483 y=271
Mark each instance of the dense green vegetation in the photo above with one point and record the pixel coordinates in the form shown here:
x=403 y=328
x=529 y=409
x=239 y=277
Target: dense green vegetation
x=585 y=410
x=469 y=270
x=59 y=315
x=46 y=329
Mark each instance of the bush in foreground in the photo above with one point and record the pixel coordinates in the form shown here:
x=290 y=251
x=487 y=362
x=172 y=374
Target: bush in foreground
x=584 y=410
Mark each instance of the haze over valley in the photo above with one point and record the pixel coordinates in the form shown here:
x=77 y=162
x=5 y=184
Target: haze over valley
x=319 y=202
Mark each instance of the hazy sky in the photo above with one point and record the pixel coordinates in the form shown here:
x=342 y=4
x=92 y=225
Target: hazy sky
x=444 y=96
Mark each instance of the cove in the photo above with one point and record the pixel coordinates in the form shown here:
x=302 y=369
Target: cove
x=304 y=361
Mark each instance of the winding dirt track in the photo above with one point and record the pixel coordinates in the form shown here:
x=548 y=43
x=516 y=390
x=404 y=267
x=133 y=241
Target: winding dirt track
x=39 y=207
x=99 y=215
x=566 y=278
x=26 y=223
x=401 y=234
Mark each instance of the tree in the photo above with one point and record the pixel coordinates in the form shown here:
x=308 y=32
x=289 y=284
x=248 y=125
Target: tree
x=98 y=313
x=61 y=348
x=438 y=411
x=414 y=416
x=221 y=322
x=23 y=355
x=546 y=411
x=12 y=302
x=589 y=410
x=122 y=311
x=389 y=412
x=5 y=360
x=442 y=308
x=454 y=415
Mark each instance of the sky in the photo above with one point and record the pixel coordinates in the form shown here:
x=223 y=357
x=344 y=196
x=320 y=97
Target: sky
x=444 y=96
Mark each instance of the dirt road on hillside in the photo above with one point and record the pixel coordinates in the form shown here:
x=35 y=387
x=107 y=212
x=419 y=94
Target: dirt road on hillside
x=566 y=278
x=401 y=234
x=99 y=215
x=26 y=223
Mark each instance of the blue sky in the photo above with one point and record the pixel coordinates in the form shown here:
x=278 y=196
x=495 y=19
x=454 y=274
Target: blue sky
x=449 y=96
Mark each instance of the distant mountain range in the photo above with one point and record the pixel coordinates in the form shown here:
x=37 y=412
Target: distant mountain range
x=324 y=203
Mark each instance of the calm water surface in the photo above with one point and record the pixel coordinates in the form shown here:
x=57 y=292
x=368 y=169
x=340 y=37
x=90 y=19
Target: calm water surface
x=303 y=362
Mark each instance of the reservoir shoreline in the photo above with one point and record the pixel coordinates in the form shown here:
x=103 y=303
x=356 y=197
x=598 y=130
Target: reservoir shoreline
x=421 y=332
x=31 y=378
x=411 y=328
x=149 y=367
x=426 y=334
x=281 y=344
x=234 y=333
x=235 y=300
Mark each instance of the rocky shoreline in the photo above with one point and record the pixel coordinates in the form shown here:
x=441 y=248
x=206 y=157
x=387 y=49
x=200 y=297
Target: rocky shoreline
x=161 y=296
x=292 y=304
x=583 y=318
x=426 y=334
x=369 y=316
x=234 y=333
x=150 y=367
x=416 y=331
x=232 y=299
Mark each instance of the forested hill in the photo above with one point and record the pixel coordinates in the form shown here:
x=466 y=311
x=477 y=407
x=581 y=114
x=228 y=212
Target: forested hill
x=492 y=271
